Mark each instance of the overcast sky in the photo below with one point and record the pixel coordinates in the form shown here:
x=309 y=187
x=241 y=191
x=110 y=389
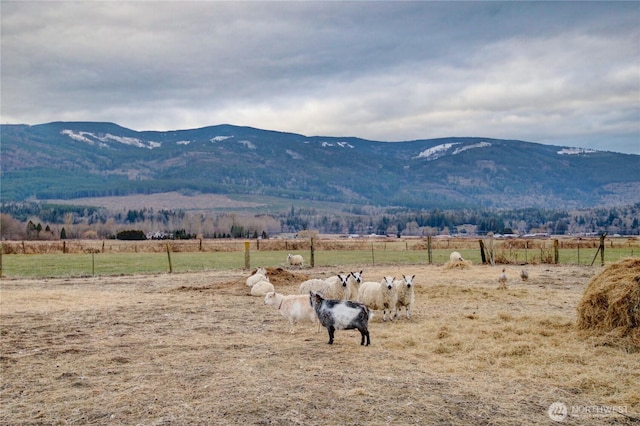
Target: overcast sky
x=562 y=73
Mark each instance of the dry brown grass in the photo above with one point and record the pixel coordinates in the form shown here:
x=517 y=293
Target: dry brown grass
x=196 y=349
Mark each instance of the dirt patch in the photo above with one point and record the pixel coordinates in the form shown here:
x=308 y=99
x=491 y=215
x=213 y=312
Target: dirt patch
x=195 y=349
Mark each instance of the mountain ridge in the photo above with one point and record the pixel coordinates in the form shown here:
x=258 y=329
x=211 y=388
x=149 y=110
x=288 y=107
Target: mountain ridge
x=62 y=160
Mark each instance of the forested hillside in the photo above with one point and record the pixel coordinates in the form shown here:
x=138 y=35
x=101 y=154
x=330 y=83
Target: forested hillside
x=66 y=160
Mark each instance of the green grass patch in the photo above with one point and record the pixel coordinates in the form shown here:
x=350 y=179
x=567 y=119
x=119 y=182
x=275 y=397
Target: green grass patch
x=110 y=263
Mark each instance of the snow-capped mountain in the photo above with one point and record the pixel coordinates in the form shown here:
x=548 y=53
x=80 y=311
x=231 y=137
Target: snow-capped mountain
x=77 y=159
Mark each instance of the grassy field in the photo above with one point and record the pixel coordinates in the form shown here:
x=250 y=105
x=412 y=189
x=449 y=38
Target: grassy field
x=195 y=348
x=142 y=258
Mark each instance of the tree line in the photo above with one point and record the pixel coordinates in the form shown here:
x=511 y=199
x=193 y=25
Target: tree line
x=30 y=220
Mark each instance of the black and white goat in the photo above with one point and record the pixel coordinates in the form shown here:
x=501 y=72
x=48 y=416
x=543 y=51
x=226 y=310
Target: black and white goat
x=341 y=315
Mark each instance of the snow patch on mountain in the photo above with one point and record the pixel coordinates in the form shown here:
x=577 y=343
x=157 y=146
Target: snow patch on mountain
x=341 y=144
x=248 y=144
x=219 y=138
x=79 y=136
x=437 y=151
x=441 y=150
x=576 y=151
x=472 y=146
x=183 y=142
x=139 y=143
x=294 y=155
x=91 y=138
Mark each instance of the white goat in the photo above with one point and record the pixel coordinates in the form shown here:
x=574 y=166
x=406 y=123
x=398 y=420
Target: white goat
x=259 y=275
x=379 y=296
x=405 y=295
x=294 y=308
x=295 y=260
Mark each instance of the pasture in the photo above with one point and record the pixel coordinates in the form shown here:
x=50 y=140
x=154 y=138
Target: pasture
x=70 y=258
x=195 y=348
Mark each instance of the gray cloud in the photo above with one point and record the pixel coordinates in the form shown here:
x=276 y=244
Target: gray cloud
x=566 y=73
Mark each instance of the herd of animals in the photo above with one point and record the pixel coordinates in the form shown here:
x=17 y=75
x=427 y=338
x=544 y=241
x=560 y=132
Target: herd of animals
x=344 y=301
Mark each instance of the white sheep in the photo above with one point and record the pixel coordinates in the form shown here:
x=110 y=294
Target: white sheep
x=314 y=284
x=294 y=308
x=355 y=279
x=259 y=275
x=295 y=260
x=455 y=257
x=338 y=287
x=405 y=295
x=379 y=296
x=261 y=288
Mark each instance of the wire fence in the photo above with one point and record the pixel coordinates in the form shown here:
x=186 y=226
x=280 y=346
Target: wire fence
x=113 y=257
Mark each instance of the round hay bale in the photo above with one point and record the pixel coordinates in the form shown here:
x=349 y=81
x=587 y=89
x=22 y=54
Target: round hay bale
x=610 y=306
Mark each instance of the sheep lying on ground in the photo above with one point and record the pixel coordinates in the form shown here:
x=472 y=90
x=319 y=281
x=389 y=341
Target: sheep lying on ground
x=262 y=287
x=455 y=257
x=259 y=275
x=295 y=260
x=341 y=315
x=293 y=307
x=405 y=295
x=379 y=296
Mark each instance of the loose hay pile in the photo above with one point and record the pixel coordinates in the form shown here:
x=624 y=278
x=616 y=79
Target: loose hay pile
x=281 y=277
x=458 y=264
x=610 y=307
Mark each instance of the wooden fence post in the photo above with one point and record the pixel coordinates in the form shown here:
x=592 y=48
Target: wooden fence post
x=313 y=251
x=169 y=257
x=482 y=255
x=556 y=253
x=429 y=251
x=373 y=260
x=247 y=257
